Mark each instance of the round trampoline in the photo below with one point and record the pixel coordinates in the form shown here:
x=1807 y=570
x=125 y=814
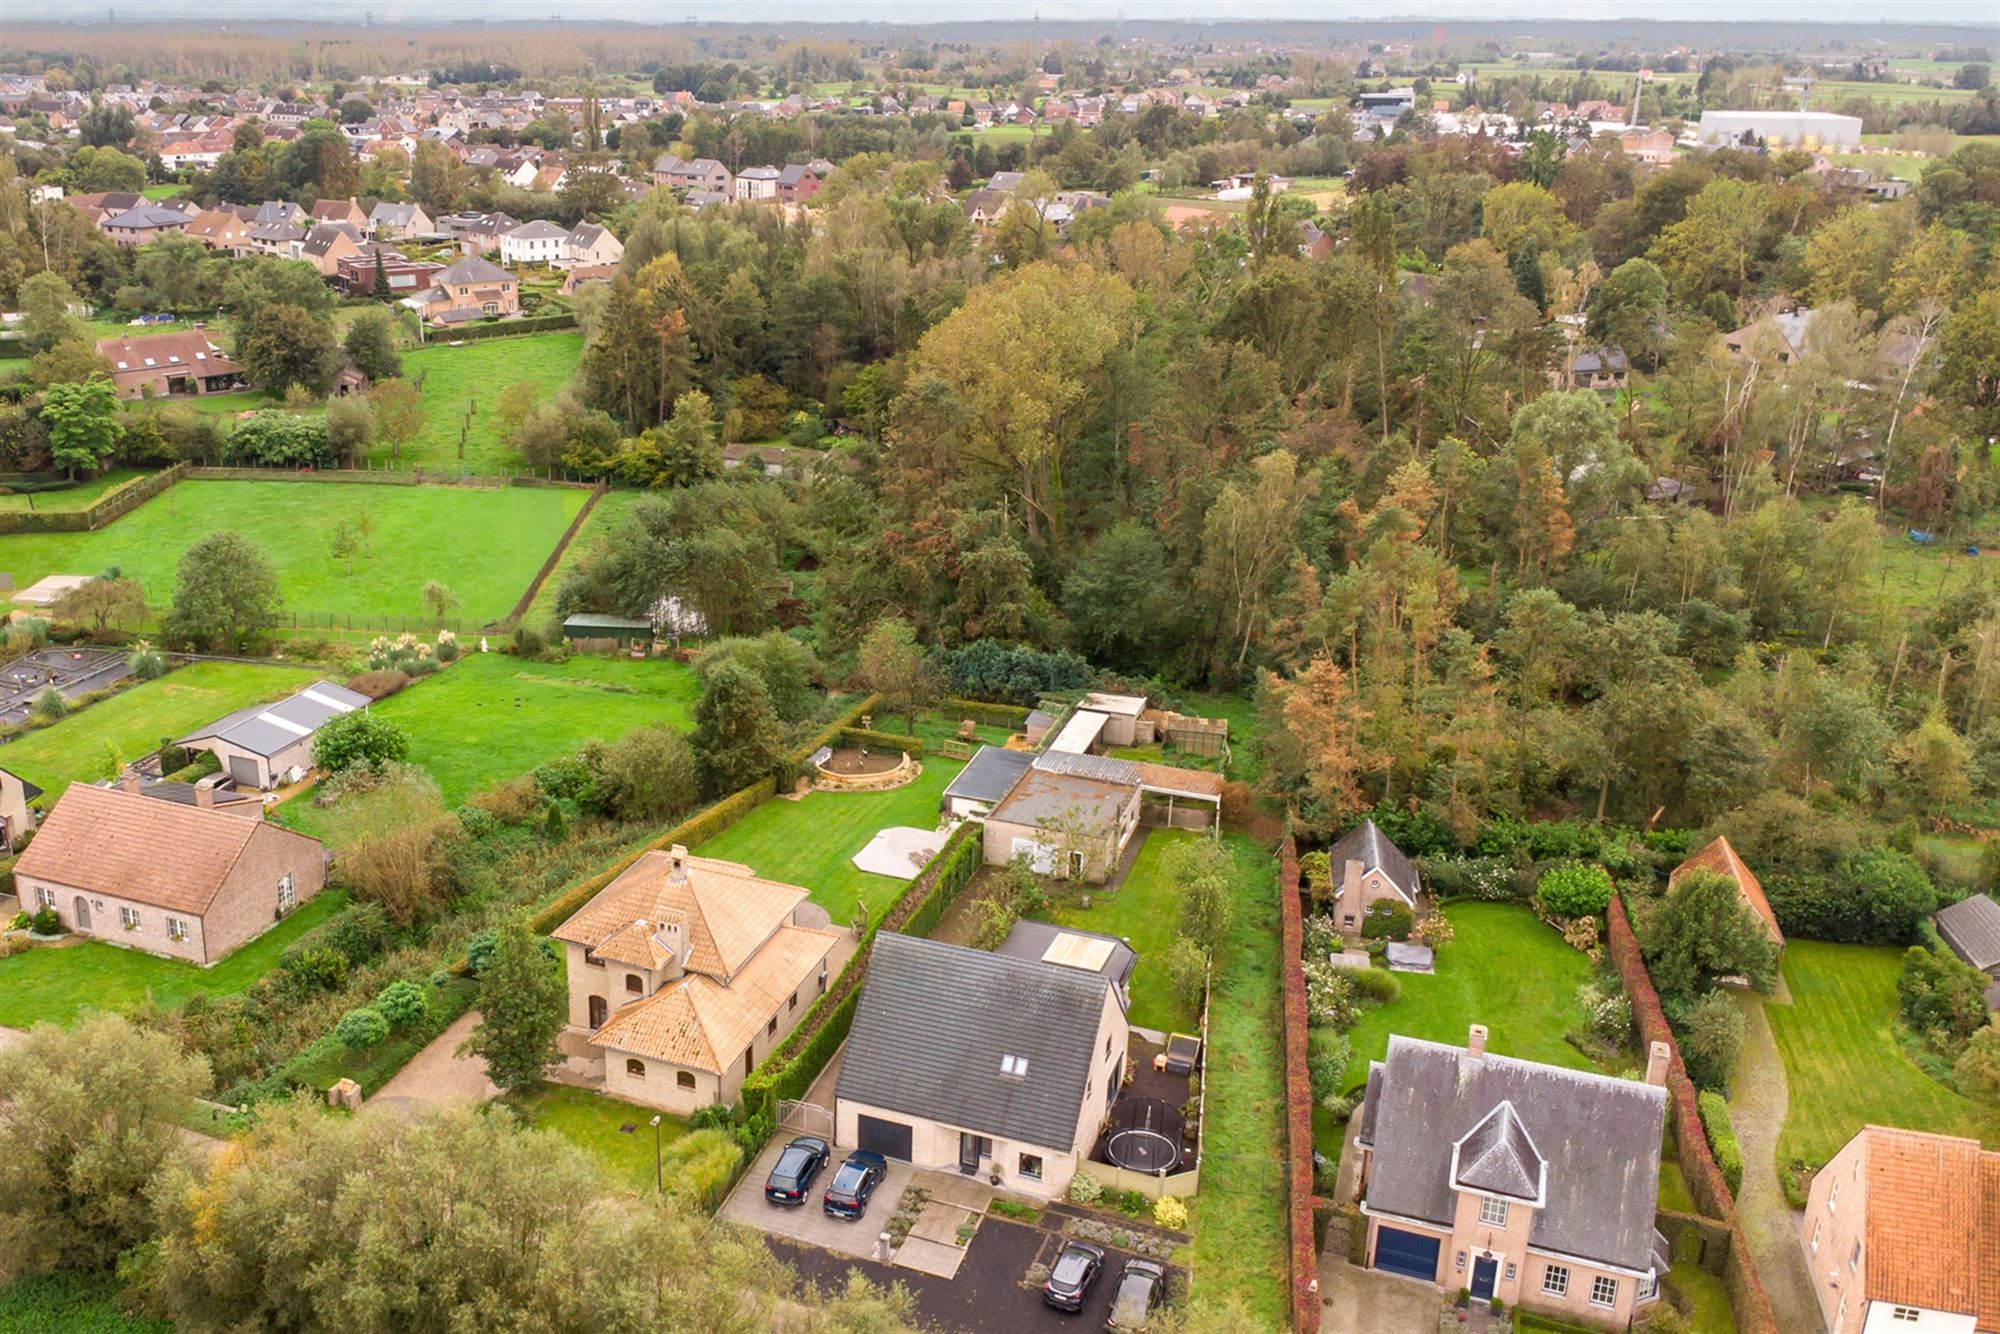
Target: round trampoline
x=1145 y=1135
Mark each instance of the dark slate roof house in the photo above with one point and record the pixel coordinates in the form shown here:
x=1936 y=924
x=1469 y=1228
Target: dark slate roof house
x=1068 y=947
x=988 y=778
x=1371 y=847
x=1972 y=928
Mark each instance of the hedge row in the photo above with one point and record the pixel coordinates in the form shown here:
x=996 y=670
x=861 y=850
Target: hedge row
x=1298 y=1099
x=828 y=734
x=696 y=829
x=1010 y=716
x=1721 y=1137
x=796 y=1062
x=113 y=504
x=534 y=324
x=861 y=736
x=1705 y=1180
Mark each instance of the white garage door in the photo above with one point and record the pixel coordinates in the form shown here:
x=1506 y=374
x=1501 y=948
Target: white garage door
x=1040 y=855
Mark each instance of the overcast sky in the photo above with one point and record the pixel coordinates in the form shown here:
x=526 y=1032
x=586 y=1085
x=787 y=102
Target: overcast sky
x=1985 y=12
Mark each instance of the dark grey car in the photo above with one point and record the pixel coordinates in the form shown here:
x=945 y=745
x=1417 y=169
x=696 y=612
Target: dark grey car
x=1141 y=1290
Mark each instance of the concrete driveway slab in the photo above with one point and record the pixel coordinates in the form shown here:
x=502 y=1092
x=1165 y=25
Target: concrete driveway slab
x=809 y=1222
x=936 y=1258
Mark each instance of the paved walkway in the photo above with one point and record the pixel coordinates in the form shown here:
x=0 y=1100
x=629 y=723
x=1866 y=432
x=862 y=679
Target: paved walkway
x=437 y=1076
x=1758 y=1112
x=1365 y=1301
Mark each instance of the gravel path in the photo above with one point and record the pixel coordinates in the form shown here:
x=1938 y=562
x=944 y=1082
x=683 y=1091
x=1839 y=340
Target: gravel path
x=1757 y=1110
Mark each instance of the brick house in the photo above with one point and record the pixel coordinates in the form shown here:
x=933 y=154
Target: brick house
x=797 y=183
x=16 y=818
x=985 y=1064
x=468 y=290
x=186 y=881
x=1902 y=1233
x=1526 y=1183
x=1367 y=869
x=684 y=972
x=164 y=364
x=1718 y=856
x=148 y=222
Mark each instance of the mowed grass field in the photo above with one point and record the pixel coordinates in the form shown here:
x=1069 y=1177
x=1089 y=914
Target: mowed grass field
x=79 y=497
x=592 y=1122
x=455 y=379
x=1144 y=911
x=1842 y=1061
x=56 y=984
x=491 y=717
x=132 y=722
x=484 y=544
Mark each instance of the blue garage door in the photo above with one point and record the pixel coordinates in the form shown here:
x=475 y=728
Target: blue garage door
x=1406 y=1253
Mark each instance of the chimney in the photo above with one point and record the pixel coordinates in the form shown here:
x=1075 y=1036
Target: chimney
x=677 y=856
x=1475 y=1042
x=130 y=782
x=1658 y=1057
x=204 y=796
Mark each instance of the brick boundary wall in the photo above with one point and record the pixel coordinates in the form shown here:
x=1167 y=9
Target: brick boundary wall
x=1305 y=1297
x=1704 y=1178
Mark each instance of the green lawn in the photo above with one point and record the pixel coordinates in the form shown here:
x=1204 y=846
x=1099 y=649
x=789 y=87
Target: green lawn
x=1842 y=1061
x=490 y=717
x=57 y=984
x=611 y=510
x=1239 y=1219
x=1673 y=1187
x=1145 y=912
x=1708 y=1299
x=592 y=1122
x=134 y=720
x=484 y=544
x=1502 y=968
x=455 y=378
x=79 y=497
x=72 y=1303
x=811 y=842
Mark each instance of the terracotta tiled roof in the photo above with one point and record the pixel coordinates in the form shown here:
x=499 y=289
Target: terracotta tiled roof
x=1722 y=859
x=110 y=841
x=1932 y=1232
x=729 y=913
x=700 y=1023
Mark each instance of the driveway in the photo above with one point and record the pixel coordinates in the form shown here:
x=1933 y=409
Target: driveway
x=991 y=1293
x=1757 y=1110
x=808 y=1222
x=437 y=1076
x=1367 y=1301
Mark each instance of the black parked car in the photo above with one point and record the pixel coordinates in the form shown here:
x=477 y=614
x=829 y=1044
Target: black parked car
x=847 y=1194
x=1141 y=1290
x=1076 y=1272
x=791 y=1179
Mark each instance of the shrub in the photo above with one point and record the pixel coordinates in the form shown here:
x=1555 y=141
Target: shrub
x=1375 y=984
x=1574 y=889
x=362 y=1028
x=311 y=970
x=527 y=641
x=1721 y=1135
x=1326 y=1063
x=46 y=923
x=479 y=950
x=1085 y=1189
x=379 y=684
x=715 y=1114
x=360 y=934
x=146 y=662
x=50 y=705
x=1710 y=1033
x=1171 y=1213
x=1942 y=996
x=402 y=1003
x=1187 y=971
x=359 y=738
x=700 y=1166
x=1331 y=1000
x=1388 y=920
x=279 y=440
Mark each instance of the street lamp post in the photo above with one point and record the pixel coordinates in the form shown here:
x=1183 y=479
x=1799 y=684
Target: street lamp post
x=658 y=1185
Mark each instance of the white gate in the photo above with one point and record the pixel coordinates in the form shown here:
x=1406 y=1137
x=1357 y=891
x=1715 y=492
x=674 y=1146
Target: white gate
x=805 y=1118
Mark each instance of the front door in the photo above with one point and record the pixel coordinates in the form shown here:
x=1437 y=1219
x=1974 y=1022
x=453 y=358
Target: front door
x=1484 y=1270
x=972 y=1148
x=82 y=914
x=597 y=1009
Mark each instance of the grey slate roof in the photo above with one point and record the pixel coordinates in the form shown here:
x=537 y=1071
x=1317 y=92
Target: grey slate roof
x=1972 y=928
x=539 y=230
x=1599 y=1136
x=1498 y=1156
x=1371 y=847
x=935 y=1020
x=473 y=270
x=266 y=729
x=149 y=215
x=991 y=775
x=1031 y=940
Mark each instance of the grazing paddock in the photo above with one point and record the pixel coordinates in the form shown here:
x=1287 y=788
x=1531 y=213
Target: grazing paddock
x=133 y=721
x=1843 y=1064
x=56 y=984
x=484 y=544
x=455 y=378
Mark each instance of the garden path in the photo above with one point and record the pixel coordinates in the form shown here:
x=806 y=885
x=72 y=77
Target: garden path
x=1757 y=1110
x=438 y=1076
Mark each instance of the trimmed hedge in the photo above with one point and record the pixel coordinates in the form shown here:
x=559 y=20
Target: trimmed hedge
x=1298 y=1099
x=534 y=324
x=796 y=1062
x=858 y=736
x=1721 y=1137
x=697 y=828
x=1010 y=716
x=113 y=504
x=828 y=734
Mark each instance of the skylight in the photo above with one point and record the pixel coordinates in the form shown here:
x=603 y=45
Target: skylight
x=1016 y=1066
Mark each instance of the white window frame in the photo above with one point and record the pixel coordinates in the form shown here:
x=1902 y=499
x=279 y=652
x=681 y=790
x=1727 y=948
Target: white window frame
x=1603 y=1283
x=128 y=917
x=1492 y=1212
x=46 y=897
x=286 y=893
x=177 y=928
x=1649 y=1287
x=1555 y=1281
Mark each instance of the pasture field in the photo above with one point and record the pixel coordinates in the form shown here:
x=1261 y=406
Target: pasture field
x=484 y=544
x=455 y=379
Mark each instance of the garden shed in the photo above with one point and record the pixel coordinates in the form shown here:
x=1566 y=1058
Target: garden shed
x=587 y=629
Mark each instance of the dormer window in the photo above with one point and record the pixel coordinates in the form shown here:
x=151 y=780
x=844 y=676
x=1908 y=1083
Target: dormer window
x=1014 y=1066
x=1492 y=1212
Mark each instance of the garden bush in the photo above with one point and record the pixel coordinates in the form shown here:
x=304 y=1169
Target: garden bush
x=1327 y=1058
x=402 y=1003
x=701 y=1165
x=360 y=934
x=1386 y=920
x=1085 y=1189
x=1942 y=998
x=379 y=684
x=360 y=738
x=1574 y=889
x=1331 y=1000
x=361 y=1028
x=301 y=972
x=1375 y=984
x=1714 y=1109
x=1170 y=1212
x=1877 y=897
x=1488 y=879
x=279 y=440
